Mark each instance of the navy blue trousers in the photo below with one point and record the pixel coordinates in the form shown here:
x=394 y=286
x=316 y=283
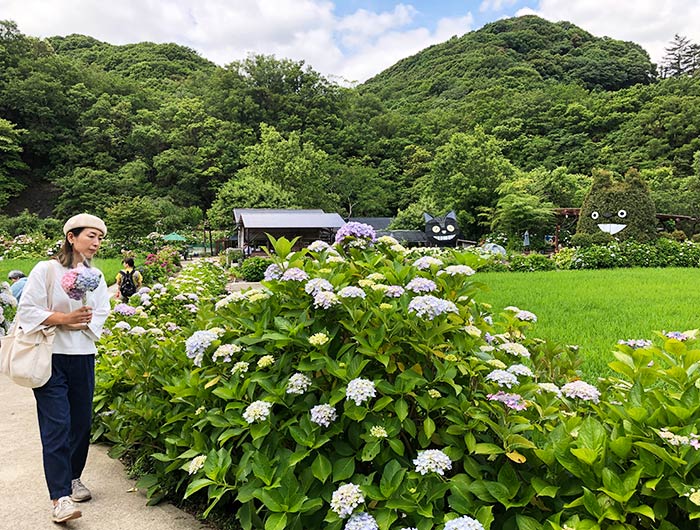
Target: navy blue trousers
x=64 y=408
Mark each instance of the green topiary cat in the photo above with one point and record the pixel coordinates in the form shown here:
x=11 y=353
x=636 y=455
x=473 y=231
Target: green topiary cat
x=623 y=209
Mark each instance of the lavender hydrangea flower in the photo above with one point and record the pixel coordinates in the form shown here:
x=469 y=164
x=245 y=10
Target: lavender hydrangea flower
x=393 y=291
x=430 y=306
x=678 y=335
x=125 y=310
x=362 y=521
x=197 y=343
x=273 y=272
x=636 y=344
x=316 y=285
x=360 y=390
x=294 y=274
x=325 y=299
x=512 y=401
x=432 y=461
x=526 y=316
x=421 y=285
x=355 y=232
x=463 y=523
x=351 y=292
x=323 y=415
x=425 y=262
x=345 y=499
x=582 y=390
x=502 y=378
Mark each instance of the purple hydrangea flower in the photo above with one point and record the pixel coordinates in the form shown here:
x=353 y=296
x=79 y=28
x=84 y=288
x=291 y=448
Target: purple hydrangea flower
x=124 y=310
x=512 y=401
x=355 y=231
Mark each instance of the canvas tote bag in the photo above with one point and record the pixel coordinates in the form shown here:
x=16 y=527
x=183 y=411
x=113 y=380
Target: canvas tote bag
x=26 y=357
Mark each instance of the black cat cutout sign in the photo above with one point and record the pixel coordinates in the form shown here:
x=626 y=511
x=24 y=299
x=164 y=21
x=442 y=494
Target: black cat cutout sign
x=441 y=231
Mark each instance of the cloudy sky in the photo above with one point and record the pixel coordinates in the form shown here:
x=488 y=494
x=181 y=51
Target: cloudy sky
x=349 y=40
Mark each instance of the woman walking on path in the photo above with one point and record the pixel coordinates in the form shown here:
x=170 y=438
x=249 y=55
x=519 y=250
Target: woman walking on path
x=64 y=403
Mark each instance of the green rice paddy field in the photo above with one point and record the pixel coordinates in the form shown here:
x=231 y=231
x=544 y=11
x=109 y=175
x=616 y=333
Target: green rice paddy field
x=595 y=308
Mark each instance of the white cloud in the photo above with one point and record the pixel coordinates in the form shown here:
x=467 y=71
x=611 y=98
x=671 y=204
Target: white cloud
x=495 y=5
x=650 y=23
x=355 y=46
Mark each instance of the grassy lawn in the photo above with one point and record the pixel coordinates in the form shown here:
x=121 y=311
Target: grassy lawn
x=109 y=267
x=596 y=308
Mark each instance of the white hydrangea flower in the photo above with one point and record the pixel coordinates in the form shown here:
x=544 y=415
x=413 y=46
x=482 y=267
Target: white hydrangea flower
x=196 y=464
x=432 y=461
x=266 y=361
x=472 y=330
x=298 y=384
x=455 y=270
x=345 y=499
x=318 y=339
x=502 y=378
x=463 y=523
x=360 y=390
x=362 y=521
x=257 y=411
x=515 y=348
x=550 y=387
x=582 y=390
x=240 y=367
x=520 y=369
x=378 y=431
x=323 y=415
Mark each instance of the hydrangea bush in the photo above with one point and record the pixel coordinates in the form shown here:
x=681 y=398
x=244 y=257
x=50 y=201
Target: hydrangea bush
x=337 y=397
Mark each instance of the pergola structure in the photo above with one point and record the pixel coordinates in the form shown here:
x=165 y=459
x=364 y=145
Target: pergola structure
x=254 y=225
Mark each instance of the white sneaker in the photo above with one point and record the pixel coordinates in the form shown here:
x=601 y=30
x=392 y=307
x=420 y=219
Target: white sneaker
x=65 y=510
x=79 y=493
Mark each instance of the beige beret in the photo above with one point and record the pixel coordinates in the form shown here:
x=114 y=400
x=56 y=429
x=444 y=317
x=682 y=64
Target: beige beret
x=85 y=220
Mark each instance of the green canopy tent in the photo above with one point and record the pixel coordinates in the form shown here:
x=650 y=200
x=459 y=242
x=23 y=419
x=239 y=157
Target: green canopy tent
x=173 y=236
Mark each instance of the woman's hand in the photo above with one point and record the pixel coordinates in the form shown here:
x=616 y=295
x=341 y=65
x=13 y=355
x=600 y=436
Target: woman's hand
x=76 y=327
x=82 y=315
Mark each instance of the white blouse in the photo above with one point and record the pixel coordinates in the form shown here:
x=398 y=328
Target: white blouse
x=34 y=308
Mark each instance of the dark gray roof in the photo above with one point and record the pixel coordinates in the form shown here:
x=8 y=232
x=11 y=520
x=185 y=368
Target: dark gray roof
x=289 y=219
x=378 y=223
x=237 y=212
x=405 y=236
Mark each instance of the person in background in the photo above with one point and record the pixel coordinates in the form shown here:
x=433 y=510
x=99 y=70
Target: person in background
x=129 y=280
x=64 y=403
x=18 y=279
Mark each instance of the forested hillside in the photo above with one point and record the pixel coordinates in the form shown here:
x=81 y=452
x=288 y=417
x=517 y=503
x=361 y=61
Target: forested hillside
x=500 y=124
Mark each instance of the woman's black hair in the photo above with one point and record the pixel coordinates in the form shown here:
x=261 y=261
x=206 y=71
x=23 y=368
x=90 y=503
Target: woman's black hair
x=65 y=253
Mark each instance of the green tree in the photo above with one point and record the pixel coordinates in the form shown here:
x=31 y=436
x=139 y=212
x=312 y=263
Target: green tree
x=517 y=212
x=246 y=191
x=296 y=167
x=131 y=219
x=11 y=166
x=465 y=175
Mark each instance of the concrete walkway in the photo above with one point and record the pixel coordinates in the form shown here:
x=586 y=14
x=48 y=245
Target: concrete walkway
x=26 y=506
